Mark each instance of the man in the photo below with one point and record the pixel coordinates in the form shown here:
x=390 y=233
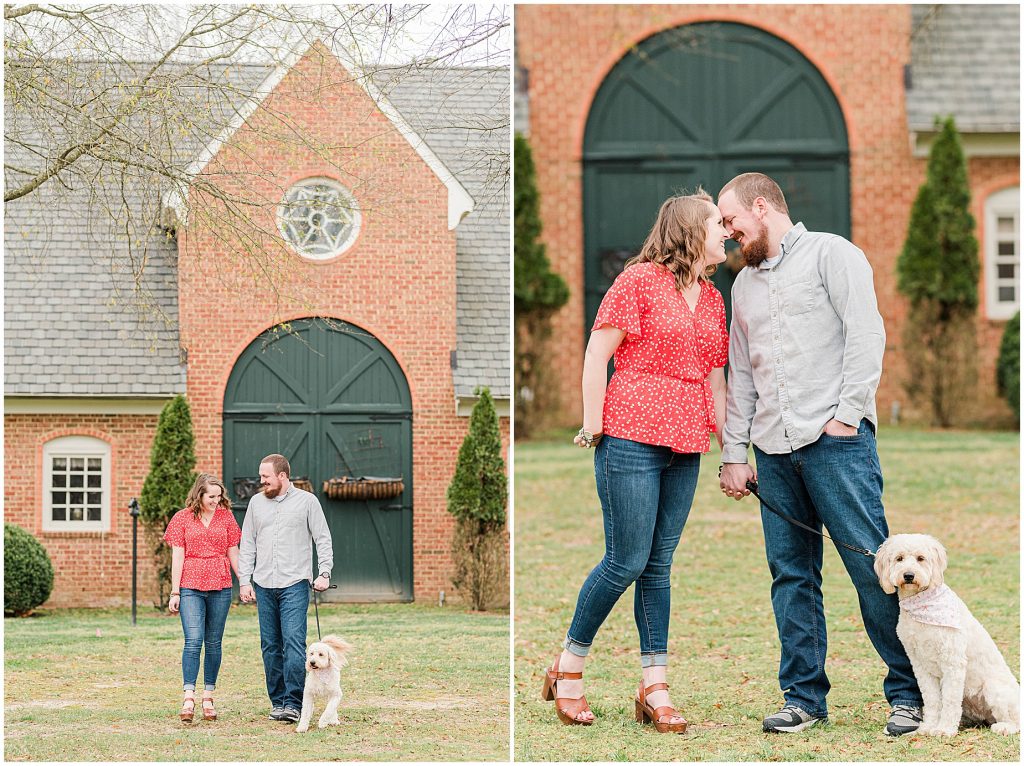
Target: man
x=805 y=358
x=275 y=554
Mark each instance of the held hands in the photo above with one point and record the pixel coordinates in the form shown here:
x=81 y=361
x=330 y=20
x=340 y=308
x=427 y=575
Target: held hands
x=734 y=478
x=173 y=604
x=321 y=584
x=246 y=594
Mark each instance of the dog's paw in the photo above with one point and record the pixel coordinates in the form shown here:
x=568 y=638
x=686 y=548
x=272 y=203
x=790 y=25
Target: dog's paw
x=1005 y=727
x=303 y=726
x=332 y=722
x=945 y=731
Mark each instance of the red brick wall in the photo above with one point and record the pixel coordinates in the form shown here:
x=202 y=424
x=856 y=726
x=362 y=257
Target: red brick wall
x=860 y=50
x=90 y=568
x=397 y=281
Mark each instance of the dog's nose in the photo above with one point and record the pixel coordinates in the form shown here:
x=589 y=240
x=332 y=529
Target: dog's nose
x=908 y=577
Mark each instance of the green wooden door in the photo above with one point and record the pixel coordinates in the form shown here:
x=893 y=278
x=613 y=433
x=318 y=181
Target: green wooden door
x=698 y=105
x=333 y=400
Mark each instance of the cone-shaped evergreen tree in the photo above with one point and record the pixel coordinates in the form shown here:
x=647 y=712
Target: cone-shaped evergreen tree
x=938 y=272
x=479 y=489
x=537 y=292
x=537 y=288
x=939 y=261
x=172 y=463
x=477 y=498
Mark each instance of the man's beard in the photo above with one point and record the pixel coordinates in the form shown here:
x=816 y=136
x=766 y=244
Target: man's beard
x=755 y=251
x=271 y=493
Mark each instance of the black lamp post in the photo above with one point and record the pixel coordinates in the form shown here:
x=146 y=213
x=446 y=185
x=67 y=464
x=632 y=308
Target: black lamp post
x=133 y=509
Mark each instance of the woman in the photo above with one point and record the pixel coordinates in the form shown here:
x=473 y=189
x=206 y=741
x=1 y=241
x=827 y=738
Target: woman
x=665 y=323
x=204 y=550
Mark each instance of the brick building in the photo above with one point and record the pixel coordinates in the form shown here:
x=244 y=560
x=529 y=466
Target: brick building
x=836 y=101
x=358 y=355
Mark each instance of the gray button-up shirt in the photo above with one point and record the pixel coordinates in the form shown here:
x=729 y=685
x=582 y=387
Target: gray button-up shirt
x=805 y=346
x=276 y=548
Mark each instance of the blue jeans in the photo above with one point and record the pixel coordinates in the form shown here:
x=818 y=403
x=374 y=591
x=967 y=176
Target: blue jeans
x=203 y=614
x=282 y=613
x=837 y=481
x=646 y=492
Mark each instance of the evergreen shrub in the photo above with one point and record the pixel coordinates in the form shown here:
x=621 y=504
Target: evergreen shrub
x=28 y=573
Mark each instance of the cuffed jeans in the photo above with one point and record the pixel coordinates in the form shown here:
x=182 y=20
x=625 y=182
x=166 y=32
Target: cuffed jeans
x=645 y=492
x=837 y=481
x=282 y=613
x=203 y=615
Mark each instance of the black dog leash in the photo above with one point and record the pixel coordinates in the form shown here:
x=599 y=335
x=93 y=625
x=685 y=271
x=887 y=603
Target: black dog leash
x=317 y=610
x=752 y=486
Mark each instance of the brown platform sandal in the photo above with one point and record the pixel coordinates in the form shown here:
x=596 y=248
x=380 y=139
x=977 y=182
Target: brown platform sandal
x=209 y=711
x=563 y=705
x=645 y=713
x=188 y=709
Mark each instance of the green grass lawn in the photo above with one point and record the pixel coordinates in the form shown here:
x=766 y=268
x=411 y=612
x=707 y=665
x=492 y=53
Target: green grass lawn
x=424 y=684
x=962 y=487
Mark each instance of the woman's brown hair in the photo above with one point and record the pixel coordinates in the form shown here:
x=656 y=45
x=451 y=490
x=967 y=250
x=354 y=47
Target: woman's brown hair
x=676 y=241
x=200 y=487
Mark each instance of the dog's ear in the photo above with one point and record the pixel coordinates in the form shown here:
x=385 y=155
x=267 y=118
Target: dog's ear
x=338 y=649
x=883 y=566
x=939 y=560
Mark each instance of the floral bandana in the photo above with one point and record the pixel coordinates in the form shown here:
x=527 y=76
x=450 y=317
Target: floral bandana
x=934 y=606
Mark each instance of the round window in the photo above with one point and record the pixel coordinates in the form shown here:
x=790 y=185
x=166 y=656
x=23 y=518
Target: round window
x=319 y=218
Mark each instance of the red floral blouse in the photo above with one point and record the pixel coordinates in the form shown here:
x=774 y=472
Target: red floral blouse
x=659 y=393
x=206 y=564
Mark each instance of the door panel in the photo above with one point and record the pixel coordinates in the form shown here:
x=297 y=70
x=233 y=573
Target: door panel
x=333 y=400
x=695 y=106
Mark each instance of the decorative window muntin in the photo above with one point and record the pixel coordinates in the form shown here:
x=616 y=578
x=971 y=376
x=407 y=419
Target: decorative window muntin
x=76 y=485
x=319 y=218
x=1002 y=253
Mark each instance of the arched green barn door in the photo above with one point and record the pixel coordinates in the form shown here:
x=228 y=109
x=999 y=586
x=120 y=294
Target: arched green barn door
x=332 y=399
x=697 y=105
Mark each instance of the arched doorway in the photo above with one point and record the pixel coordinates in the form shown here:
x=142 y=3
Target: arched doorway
x=332 y=399
x=697 y=105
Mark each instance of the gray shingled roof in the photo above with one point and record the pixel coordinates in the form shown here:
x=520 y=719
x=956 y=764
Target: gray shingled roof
x=71 y=330
x=965 y=61
x=464 y=117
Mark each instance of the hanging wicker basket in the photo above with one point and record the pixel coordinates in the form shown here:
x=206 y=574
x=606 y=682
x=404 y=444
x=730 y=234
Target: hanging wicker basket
x=363 y=488
x=245 y=487
x=303 y=482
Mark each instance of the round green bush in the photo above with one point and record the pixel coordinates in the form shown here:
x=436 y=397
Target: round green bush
x=1008 y=364
x=28 y=573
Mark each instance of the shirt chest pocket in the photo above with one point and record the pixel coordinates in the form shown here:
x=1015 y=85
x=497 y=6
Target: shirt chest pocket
x=797 y=298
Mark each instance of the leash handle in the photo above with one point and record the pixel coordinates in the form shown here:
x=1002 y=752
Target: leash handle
x=316 y=609
x=752 y=486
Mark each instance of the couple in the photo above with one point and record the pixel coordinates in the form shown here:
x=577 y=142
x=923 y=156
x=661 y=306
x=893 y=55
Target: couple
x=805 y=355
x=271 y=555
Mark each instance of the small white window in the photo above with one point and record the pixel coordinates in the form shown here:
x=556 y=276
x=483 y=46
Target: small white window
x=319 y=218
x=76 y=485
x=1002 y=253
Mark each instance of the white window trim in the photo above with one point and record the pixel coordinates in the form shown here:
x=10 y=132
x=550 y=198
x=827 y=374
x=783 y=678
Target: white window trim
x=357 y=223
x=76 y=446
x=1002 y=203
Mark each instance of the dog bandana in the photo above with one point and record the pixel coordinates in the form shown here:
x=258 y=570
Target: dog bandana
x=934 y=606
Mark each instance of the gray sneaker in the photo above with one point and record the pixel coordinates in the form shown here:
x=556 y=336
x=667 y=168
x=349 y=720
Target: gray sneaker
x=903 y=719
x=290 y=715
x=792 y=719
x=276 y=713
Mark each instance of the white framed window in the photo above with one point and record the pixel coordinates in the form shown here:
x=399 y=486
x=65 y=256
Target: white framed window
x=1002 y=253
x=76 y=485
x=319 y=218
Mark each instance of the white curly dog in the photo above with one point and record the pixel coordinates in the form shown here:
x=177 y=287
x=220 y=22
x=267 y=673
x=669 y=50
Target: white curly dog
x=958 y=666
x=324 y=661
